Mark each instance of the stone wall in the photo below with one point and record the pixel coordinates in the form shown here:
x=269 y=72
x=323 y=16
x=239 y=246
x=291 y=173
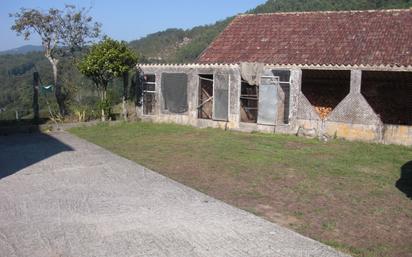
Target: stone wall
x=192 y=71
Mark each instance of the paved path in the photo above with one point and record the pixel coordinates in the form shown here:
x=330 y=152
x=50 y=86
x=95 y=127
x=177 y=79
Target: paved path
x=61 y=196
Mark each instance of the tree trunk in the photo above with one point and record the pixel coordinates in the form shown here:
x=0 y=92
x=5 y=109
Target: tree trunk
x=58 y=90
x=103 y=97
x=103 y=115
x=124 y=98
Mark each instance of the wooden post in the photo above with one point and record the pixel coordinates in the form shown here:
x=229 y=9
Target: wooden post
x=36 y=80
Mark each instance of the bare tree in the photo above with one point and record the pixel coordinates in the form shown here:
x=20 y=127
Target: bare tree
x=63 y=32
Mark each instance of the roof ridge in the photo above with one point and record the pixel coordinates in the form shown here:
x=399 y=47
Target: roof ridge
x=325 y=12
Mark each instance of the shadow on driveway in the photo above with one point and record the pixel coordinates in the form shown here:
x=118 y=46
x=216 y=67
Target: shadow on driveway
x=19 y=151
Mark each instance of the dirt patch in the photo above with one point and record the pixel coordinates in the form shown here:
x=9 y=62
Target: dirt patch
x=295 y=145
x=270 y=213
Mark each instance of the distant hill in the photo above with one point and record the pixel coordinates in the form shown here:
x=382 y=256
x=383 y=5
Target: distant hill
x=23 y=50
x=179 y=46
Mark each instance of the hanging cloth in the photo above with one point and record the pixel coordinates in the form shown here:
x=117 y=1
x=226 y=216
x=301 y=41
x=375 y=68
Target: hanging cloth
x=46 y=88
x=251 y=72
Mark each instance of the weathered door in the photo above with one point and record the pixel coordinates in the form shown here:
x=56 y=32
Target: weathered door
x=268 y=100
x=221 y=96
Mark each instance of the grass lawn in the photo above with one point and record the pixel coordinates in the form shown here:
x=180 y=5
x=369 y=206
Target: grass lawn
x=345 y=194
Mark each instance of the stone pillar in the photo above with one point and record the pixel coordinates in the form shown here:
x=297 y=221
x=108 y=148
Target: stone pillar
x=296 y=79
x=192 y=93
x=295 y=91
x=234 y=97
x=158 y=89
x=355 y=81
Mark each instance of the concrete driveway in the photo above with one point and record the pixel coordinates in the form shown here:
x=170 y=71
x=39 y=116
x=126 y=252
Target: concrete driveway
x=62 y=196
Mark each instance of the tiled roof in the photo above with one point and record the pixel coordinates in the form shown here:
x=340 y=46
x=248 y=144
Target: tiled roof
x=373 y=38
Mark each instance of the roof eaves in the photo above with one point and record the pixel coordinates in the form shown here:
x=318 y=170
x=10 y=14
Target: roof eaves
x=289 y=66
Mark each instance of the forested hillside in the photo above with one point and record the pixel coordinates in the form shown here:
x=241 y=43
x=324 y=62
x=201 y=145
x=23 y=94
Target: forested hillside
x=172 y=45
x=178 y=45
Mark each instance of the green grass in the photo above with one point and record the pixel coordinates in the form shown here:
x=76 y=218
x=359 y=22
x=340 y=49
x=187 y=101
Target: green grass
x=342 y=193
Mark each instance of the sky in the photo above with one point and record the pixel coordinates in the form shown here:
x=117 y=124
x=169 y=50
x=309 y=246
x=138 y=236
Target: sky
x=127 y=19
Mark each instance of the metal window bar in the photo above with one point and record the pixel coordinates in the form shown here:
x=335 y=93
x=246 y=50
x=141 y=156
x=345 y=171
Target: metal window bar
x=207 y=79
x=274 y=79
x=146 y=86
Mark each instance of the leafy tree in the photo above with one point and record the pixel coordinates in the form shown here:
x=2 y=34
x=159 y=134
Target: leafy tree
x=107 y=60
x=62 y=32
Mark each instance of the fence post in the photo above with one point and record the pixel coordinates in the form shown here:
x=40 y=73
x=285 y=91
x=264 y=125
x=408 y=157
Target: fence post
x=36 y=96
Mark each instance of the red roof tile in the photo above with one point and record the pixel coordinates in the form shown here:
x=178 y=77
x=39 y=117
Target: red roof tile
x=316 y=38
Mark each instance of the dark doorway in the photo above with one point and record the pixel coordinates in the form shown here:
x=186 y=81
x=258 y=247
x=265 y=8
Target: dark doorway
x=325 y=89
x=249 y=99
x=390 y=95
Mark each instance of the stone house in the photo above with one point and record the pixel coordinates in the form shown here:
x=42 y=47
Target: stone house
x=345 y=74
